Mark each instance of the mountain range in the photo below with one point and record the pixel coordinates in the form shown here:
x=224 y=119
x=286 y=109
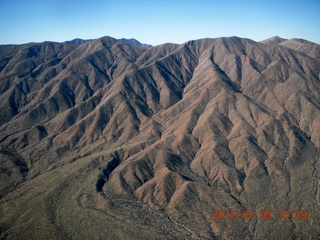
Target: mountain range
x=113 y=139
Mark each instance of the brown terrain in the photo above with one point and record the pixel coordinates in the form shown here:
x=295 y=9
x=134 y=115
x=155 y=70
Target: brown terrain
x=100 y=139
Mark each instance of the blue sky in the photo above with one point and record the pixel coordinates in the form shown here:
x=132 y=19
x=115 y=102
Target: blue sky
x=157 y=22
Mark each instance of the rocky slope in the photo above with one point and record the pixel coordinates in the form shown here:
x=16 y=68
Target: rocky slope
x=107 y=140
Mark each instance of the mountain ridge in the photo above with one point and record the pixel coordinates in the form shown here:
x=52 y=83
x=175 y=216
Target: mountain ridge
x=132 y=41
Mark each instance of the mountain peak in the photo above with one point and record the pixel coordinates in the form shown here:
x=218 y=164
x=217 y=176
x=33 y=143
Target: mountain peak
x=274 y=39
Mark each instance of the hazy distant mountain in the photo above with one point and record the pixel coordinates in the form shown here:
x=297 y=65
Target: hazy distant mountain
x=77 y=41
x=135 y=43
x=105 y=140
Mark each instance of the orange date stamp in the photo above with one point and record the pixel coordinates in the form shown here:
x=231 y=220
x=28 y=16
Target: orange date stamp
x=262 y=214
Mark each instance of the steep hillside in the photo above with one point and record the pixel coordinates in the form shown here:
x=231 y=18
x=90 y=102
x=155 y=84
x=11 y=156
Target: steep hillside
x=107 y=140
